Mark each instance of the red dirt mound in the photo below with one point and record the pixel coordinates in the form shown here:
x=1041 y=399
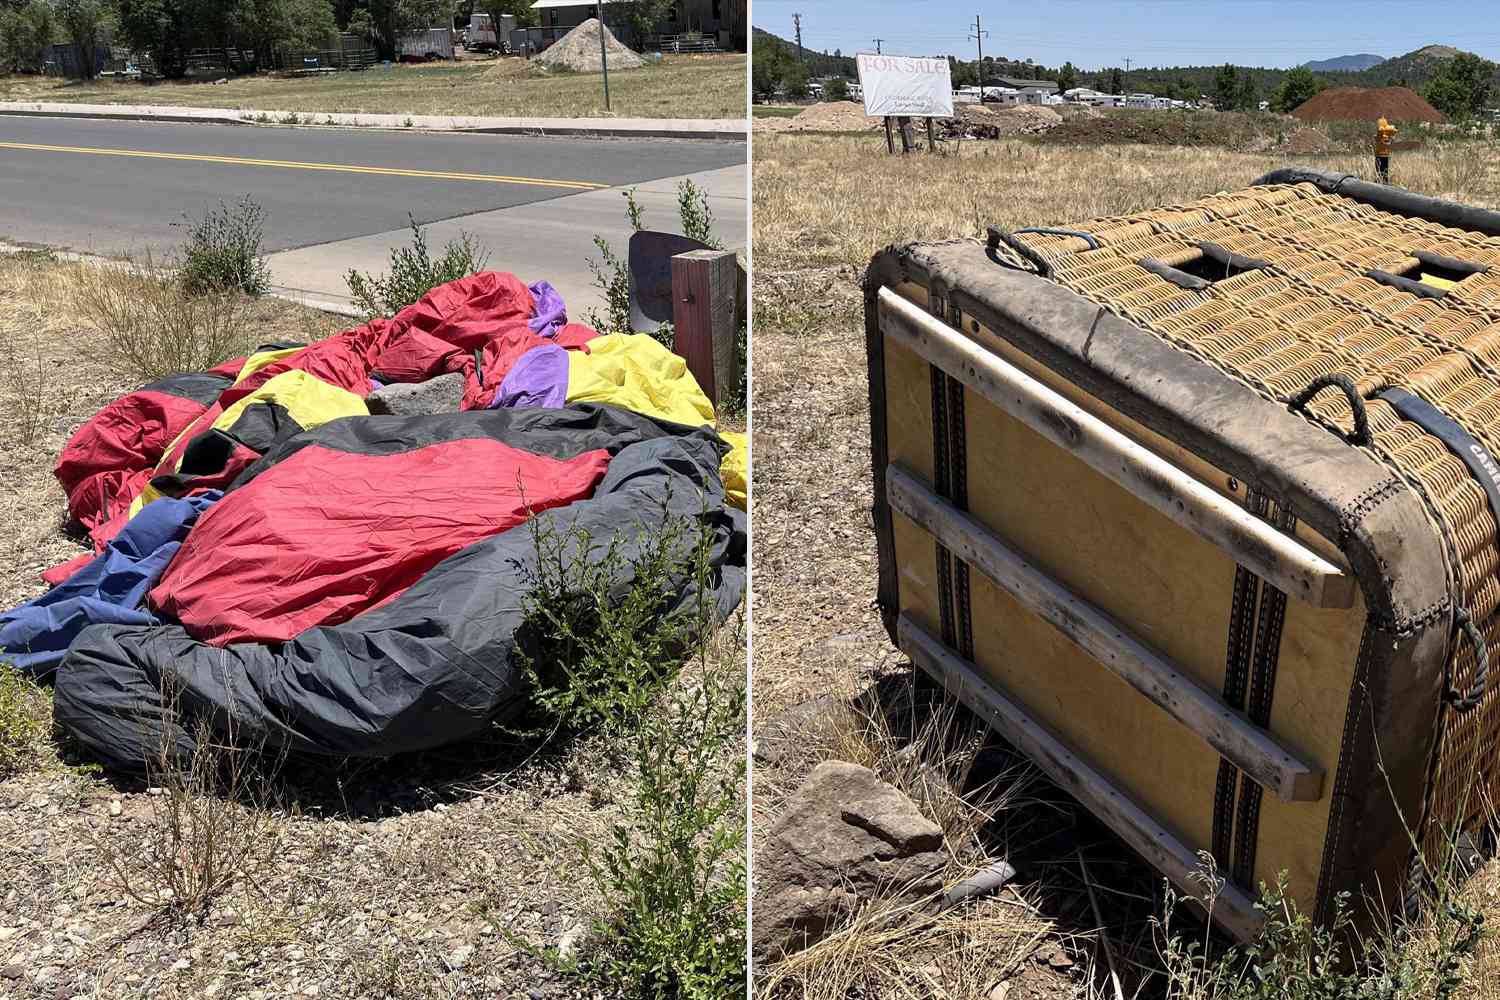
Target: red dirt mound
x=1365 y=104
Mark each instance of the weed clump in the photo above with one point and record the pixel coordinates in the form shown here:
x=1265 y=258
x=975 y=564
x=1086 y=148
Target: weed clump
x=24 y=721
x=151 y=328
x=222 y=252
x=414 y=272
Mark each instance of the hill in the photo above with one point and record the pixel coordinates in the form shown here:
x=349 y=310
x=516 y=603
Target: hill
x=819 y=64
x=1344 y=64
x=1413 y=69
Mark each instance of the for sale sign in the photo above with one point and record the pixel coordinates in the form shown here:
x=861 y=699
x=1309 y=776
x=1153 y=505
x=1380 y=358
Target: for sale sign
x=904 y=85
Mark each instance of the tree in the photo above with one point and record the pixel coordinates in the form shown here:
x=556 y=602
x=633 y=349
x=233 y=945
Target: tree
x=1226 y=88
x=641 y=17
x=1249 y=93
x=1067 y=78
x=1116 y=81
x=25 y=30
x=836 y=89
x=1299 y=87
x=84 y=22
x=1460 y=88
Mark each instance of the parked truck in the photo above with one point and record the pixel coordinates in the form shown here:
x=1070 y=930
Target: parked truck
x=486 y=36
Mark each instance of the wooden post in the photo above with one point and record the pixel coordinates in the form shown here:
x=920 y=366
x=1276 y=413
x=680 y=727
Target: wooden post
x=890 y=137
x=907 y=145
x=931 y=135
x=705 y=286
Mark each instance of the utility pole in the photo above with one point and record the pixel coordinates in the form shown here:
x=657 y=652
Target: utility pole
x=797 y=20
x=877 y=42
x=603 y=55
x=978 y=38
x=1127 y=64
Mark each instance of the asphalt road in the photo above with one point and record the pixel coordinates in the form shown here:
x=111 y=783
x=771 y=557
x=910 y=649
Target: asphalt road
x=114 y=187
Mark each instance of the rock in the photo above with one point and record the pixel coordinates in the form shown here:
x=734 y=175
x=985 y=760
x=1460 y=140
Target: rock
x=116 y=807
x=999 y=991
x=459 y=957
x=437 y=395
x=779 y=738
x=843 y=837
x=567 y=945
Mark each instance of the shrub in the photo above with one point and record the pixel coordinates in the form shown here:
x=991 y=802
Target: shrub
x=222 y=252
x=672 y=872
x=612 y=277
x=152 y=328
x=694 y=214
x=24 y=720
x=596 y=658
x=414 y=273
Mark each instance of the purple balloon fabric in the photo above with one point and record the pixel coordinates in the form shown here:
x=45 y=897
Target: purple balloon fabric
x=538 y=378
x=551 y=315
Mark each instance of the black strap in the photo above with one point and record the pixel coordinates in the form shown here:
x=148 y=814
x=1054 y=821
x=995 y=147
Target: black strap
x=1361 y=435
x=1396 y=281
x=1476 y=456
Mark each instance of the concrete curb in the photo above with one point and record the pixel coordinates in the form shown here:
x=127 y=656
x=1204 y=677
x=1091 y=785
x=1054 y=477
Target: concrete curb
x=727 y=129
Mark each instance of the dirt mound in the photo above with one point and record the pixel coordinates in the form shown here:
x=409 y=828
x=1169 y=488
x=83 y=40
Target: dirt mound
x=1365 y=104
x=833 y=116
x=1304 y=141
x=578 y=50
x=983 y=121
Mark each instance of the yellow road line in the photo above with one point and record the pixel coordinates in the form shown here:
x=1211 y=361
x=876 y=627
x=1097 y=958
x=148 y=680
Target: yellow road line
x=243 y=161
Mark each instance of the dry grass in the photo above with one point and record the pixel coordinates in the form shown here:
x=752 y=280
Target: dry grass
x=682 y=86
x=823 y=206
x=151 y=327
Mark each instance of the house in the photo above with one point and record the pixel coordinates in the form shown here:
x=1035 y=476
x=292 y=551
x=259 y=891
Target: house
x=721 y=22
x=1018 y=83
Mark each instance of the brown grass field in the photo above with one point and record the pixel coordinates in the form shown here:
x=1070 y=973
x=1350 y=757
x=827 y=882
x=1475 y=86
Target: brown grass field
x=822 y=206
x=416 y=877
x=681 y=86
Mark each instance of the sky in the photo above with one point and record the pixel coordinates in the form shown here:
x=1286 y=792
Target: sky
x=1095 y=34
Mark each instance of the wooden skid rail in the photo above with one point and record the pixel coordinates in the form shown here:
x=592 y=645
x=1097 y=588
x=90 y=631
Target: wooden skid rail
x=1251 y=542
x=1244 y=744
x=1232 y=910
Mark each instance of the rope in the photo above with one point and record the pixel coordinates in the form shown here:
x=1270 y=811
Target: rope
x=1361 y=434
x=1465 y=703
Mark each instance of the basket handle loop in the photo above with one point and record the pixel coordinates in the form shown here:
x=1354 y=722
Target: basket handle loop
x=1465 y=703
x=1361 y=435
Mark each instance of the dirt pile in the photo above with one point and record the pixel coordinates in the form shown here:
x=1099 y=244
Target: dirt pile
x=833 y=116
x=981 y=121
x=1365 y=104
x=578 y=50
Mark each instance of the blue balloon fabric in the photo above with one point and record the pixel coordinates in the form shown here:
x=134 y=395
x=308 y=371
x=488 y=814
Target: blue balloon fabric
x=110 y=590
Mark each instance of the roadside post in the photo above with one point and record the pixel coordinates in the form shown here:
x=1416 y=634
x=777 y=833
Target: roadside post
x=705 y=315
x=900 y=88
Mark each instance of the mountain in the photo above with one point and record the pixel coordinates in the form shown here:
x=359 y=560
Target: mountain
x=1344 y=64
x=1411 y=70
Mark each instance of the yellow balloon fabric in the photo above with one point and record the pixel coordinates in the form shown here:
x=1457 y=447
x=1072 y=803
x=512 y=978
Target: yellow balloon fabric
x=306 y=398
x=636 y=372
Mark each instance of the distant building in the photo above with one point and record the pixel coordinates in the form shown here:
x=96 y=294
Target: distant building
x=1018 y=83
x=718 y=20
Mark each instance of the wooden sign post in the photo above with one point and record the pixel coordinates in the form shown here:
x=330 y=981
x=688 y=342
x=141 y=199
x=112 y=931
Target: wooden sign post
x=705 y=317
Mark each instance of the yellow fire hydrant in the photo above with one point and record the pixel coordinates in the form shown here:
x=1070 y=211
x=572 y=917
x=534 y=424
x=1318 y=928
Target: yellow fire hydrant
x=1383 y=132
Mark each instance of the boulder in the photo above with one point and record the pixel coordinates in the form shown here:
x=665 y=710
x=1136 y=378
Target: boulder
x=842 y=838
x=409 y=399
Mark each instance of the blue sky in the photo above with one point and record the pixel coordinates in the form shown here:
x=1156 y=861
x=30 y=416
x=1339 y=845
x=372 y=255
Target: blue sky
x=1098 y=33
